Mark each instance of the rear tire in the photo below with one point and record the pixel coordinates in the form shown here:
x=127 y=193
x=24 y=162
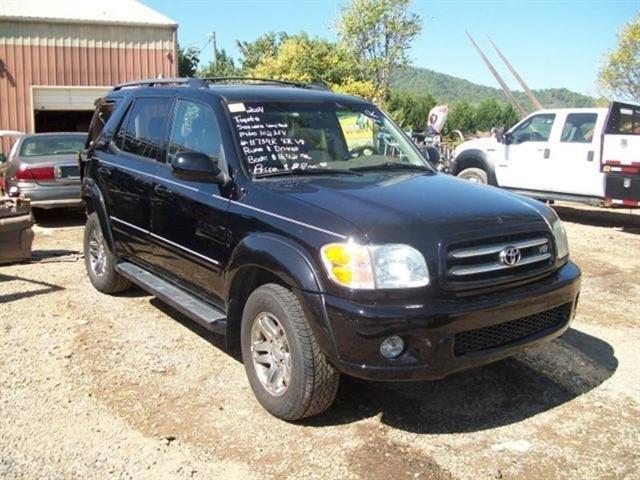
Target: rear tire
x=474 y=175
x=99 y=261
x=303 y=382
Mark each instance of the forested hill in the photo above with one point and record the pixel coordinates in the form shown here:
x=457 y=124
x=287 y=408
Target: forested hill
x=447 y=89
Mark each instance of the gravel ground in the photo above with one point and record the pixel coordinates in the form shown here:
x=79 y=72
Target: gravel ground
x=93 y=386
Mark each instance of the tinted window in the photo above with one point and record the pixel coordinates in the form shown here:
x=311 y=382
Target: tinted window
x=624 y=120
x=534 y=129
x=579 y=128
x=100 y=118
x=51 y=145
x=195 y=129
x=142 y=131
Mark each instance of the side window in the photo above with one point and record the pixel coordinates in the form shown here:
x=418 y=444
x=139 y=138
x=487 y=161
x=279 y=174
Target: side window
x=534 y=129
x=579 y=128
x=99 y=120
x=195 y=129
x=142 y=131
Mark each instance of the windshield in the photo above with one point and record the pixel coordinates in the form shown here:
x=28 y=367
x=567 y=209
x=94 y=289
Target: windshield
x=50 y=145
x=281 y=138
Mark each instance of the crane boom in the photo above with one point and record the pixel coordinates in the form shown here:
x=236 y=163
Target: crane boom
x=497 y=76
x=534 y=101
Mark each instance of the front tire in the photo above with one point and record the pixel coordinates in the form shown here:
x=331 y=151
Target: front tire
x=99 y=261
x=474 y=175
x=287 y=371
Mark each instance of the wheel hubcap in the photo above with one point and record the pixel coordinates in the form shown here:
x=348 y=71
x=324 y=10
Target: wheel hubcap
x=97 y=253
x=270 y=353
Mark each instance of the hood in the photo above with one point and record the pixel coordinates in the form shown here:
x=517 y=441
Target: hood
x=483 y=143
x=390 y=207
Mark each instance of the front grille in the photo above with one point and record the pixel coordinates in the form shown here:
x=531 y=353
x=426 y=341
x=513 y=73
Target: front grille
x=508 y=332
x=483 y=262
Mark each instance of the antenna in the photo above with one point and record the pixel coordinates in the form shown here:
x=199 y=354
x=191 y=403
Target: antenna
x=534 y=101
x=504 y=86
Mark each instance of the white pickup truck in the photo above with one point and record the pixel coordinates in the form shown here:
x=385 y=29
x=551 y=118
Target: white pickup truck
x=589 y=155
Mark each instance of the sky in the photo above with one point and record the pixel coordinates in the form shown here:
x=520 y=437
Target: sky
x=550 y=43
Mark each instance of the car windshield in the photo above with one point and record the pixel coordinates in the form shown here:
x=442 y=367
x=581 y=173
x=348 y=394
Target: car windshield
x=51 y=145
x=298 y=138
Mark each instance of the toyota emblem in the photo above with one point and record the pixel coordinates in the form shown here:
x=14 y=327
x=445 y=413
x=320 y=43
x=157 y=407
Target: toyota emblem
x=510 y=256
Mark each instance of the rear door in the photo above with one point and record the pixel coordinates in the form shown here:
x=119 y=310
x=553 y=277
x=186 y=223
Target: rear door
x=524 y=165
x=575 y=167
x=621 y=154
x=126 y=169
x=189 y=217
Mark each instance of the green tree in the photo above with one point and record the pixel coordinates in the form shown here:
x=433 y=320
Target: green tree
x=410 y=111
x=222 y=66
x=378 y=34
x=300 y=58
x=266 y=45
x=188 y=60
x=461 y=117
x=620 y=73
x=487 y=115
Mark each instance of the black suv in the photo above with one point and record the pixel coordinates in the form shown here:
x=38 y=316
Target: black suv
x=305 y=226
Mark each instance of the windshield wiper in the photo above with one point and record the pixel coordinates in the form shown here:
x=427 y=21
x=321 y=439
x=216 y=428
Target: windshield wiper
x=392 y=166
x=307 y=171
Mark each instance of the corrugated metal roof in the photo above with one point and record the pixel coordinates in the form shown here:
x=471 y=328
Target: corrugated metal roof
x=118 y=12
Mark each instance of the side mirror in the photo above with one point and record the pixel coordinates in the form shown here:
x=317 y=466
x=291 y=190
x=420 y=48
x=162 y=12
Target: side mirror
x=197 y=167
x=3 y=158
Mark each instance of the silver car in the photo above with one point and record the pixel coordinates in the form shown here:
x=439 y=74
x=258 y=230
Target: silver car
x=43 y=167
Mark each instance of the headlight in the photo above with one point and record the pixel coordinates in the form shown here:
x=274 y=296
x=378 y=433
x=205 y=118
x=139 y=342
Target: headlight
x=559 y=234
x=369 y=267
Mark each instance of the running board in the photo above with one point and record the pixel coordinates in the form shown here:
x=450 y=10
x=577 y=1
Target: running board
x=200 y=312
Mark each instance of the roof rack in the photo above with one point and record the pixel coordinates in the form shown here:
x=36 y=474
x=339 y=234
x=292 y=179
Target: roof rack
x=269 y=81
x=204 y=82
x=152 y=82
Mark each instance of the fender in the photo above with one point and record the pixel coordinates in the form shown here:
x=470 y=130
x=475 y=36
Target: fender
x=282 y=257
x=95 y=203
x=288 y=261
x=475 y=158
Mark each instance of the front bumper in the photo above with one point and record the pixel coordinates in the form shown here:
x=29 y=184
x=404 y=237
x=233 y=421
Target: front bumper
x=429 y=329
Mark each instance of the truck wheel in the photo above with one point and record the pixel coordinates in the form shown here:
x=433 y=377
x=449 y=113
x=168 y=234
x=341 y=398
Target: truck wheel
x=475 y=175
x=289 y=375
x=99 y=261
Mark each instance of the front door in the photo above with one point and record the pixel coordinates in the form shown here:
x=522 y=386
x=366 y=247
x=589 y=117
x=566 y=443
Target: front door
x=127 y=167
x=526 y=156
x=189 y=217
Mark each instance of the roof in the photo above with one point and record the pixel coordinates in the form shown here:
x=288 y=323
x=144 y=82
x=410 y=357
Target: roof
x=239 y=92
x=114 y=12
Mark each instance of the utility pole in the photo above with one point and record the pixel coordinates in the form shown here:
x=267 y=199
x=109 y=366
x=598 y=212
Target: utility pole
x=497 y=76
x=534 y=101
x=212 y=38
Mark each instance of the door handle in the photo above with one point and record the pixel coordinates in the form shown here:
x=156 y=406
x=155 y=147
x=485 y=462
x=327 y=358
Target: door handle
x=547 y=153
x=161 y=190
x=105 y=171
x=590 y=155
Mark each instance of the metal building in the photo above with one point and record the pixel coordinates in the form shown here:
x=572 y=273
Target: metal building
x=58 y=56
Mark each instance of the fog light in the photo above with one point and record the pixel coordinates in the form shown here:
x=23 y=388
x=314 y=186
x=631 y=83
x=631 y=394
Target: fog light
x=392 y=346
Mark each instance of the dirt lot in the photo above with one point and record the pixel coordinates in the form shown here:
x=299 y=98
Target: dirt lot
x=93 y=386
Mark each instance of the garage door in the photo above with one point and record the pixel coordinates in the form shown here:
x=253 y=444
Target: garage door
x=66 y=98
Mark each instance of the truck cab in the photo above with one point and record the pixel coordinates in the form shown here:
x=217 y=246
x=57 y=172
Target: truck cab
x=579 y=154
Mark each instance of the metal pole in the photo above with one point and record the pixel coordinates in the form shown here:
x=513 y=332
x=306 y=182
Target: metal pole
x=504 y=86
x=534 y=101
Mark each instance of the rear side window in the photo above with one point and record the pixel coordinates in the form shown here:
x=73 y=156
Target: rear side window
x=579 y=128
x=51 y=145
x=623 y=120
x=100 y=118
x=195 y=129
x=142 y=131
